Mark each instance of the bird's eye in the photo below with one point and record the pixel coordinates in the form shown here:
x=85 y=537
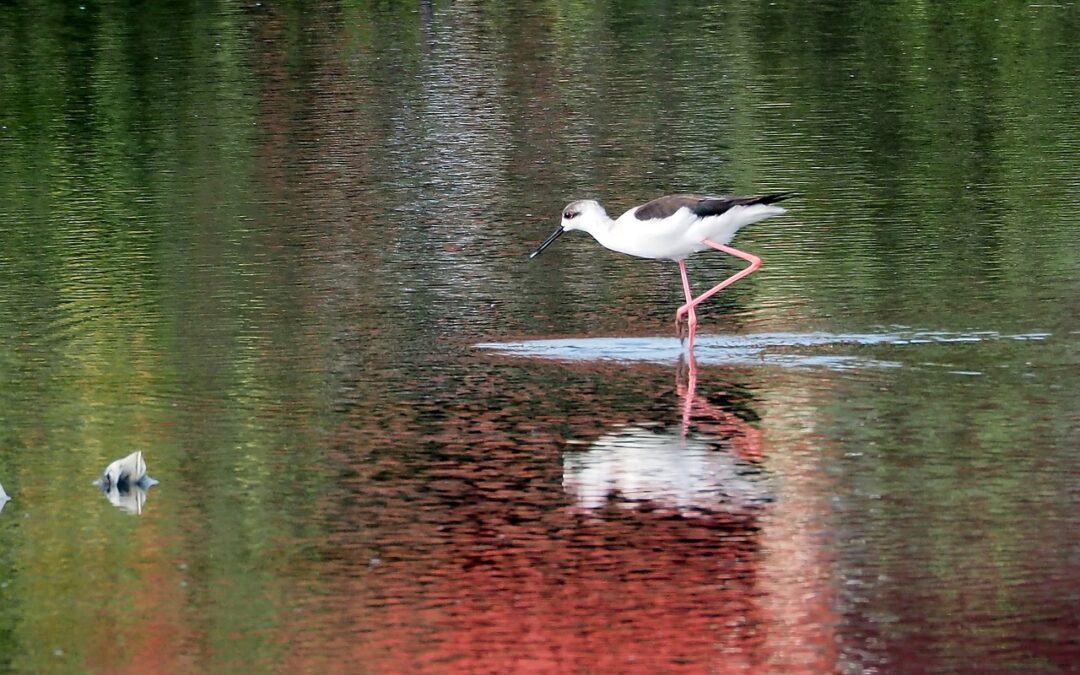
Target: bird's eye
x=569 y=215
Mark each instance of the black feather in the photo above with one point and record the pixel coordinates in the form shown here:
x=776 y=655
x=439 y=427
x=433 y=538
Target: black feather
x=702 y=206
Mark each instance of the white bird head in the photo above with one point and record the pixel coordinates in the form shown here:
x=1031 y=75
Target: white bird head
x=124 y=473
x=583 y=214
x=580 y=215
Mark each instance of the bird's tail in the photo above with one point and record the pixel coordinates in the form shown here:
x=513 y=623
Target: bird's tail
x=742 y=211
x=767 y=199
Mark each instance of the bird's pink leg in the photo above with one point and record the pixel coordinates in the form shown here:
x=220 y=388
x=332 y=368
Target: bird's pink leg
x=755 y=263
x=688 y=308
x=688 y=393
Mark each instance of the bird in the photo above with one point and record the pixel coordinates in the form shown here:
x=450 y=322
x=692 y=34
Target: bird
x=125 y=473
x=674 y=227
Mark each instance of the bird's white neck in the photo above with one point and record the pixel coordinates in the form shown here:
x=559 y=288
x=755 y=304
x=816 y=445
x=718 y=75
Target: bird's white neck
x=599 y=225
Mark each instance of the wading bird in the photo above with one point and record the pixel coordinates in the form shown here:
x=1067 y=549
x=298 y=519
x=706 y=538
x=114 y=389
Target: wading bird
x=673 y=228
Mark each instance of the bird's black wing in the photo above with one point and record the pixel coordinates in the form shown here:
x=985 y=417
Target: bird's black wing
x=662 y=207
x=714 y=206
x=701 y=206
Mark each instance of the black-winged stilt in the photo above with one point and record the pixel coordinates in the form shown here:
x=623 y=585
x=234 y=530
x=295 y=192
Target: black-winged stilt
x=673 y=228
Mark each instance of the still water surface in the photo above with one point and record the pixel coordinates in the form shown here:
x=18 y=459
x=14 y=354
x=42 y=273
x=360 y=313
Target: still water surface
x=283 y=252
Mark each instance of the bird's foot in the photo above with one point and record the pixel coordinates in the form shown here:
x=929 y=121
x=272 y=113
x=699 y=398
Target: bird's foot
x=685 y=327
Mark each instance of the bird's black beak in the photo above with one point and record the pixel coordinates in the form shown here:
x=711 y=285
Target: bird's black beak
x=547 y=242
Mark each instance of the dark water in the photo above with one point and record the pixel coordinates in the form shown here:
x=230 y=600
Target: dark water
x=261 y=241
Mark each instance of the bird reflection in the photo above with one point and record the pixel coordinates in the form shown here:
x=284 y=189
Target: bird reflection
x=131 y=500
x=714 y=468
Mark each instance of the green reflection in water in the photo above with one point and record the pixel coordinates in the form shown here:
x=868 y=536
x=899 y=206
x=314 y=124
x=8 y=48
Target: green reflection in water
x=135 y=318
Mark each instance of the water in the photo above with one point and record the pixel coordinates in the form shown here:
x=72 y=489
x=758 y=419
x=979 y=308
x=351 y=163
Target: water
x=283 y=252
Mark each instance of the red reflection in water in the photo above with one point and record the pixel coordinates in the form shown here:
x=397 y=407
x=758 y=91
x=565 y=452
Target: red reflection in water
x=469 y=556
x=746 y=440
x=621 y=592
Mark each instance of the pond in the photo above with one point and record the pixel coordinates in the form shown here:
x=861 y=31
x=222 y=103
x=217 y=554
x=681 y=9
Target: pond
x=282 y=250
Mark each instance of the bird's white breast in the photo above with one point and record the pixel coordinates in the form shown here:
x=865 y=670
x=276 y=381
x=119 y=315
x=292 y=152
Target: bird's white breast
x=662 y=239
x=682 y=233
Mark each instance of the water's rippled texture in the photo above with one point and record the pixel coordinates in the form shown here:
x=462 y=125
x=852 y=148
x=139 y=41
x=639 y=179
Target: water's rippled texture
x=259 y=243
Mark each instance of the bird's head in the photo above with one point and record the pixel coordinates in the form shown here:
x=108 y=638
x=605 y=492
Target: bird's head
x=582 y=214
x=578 y=214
